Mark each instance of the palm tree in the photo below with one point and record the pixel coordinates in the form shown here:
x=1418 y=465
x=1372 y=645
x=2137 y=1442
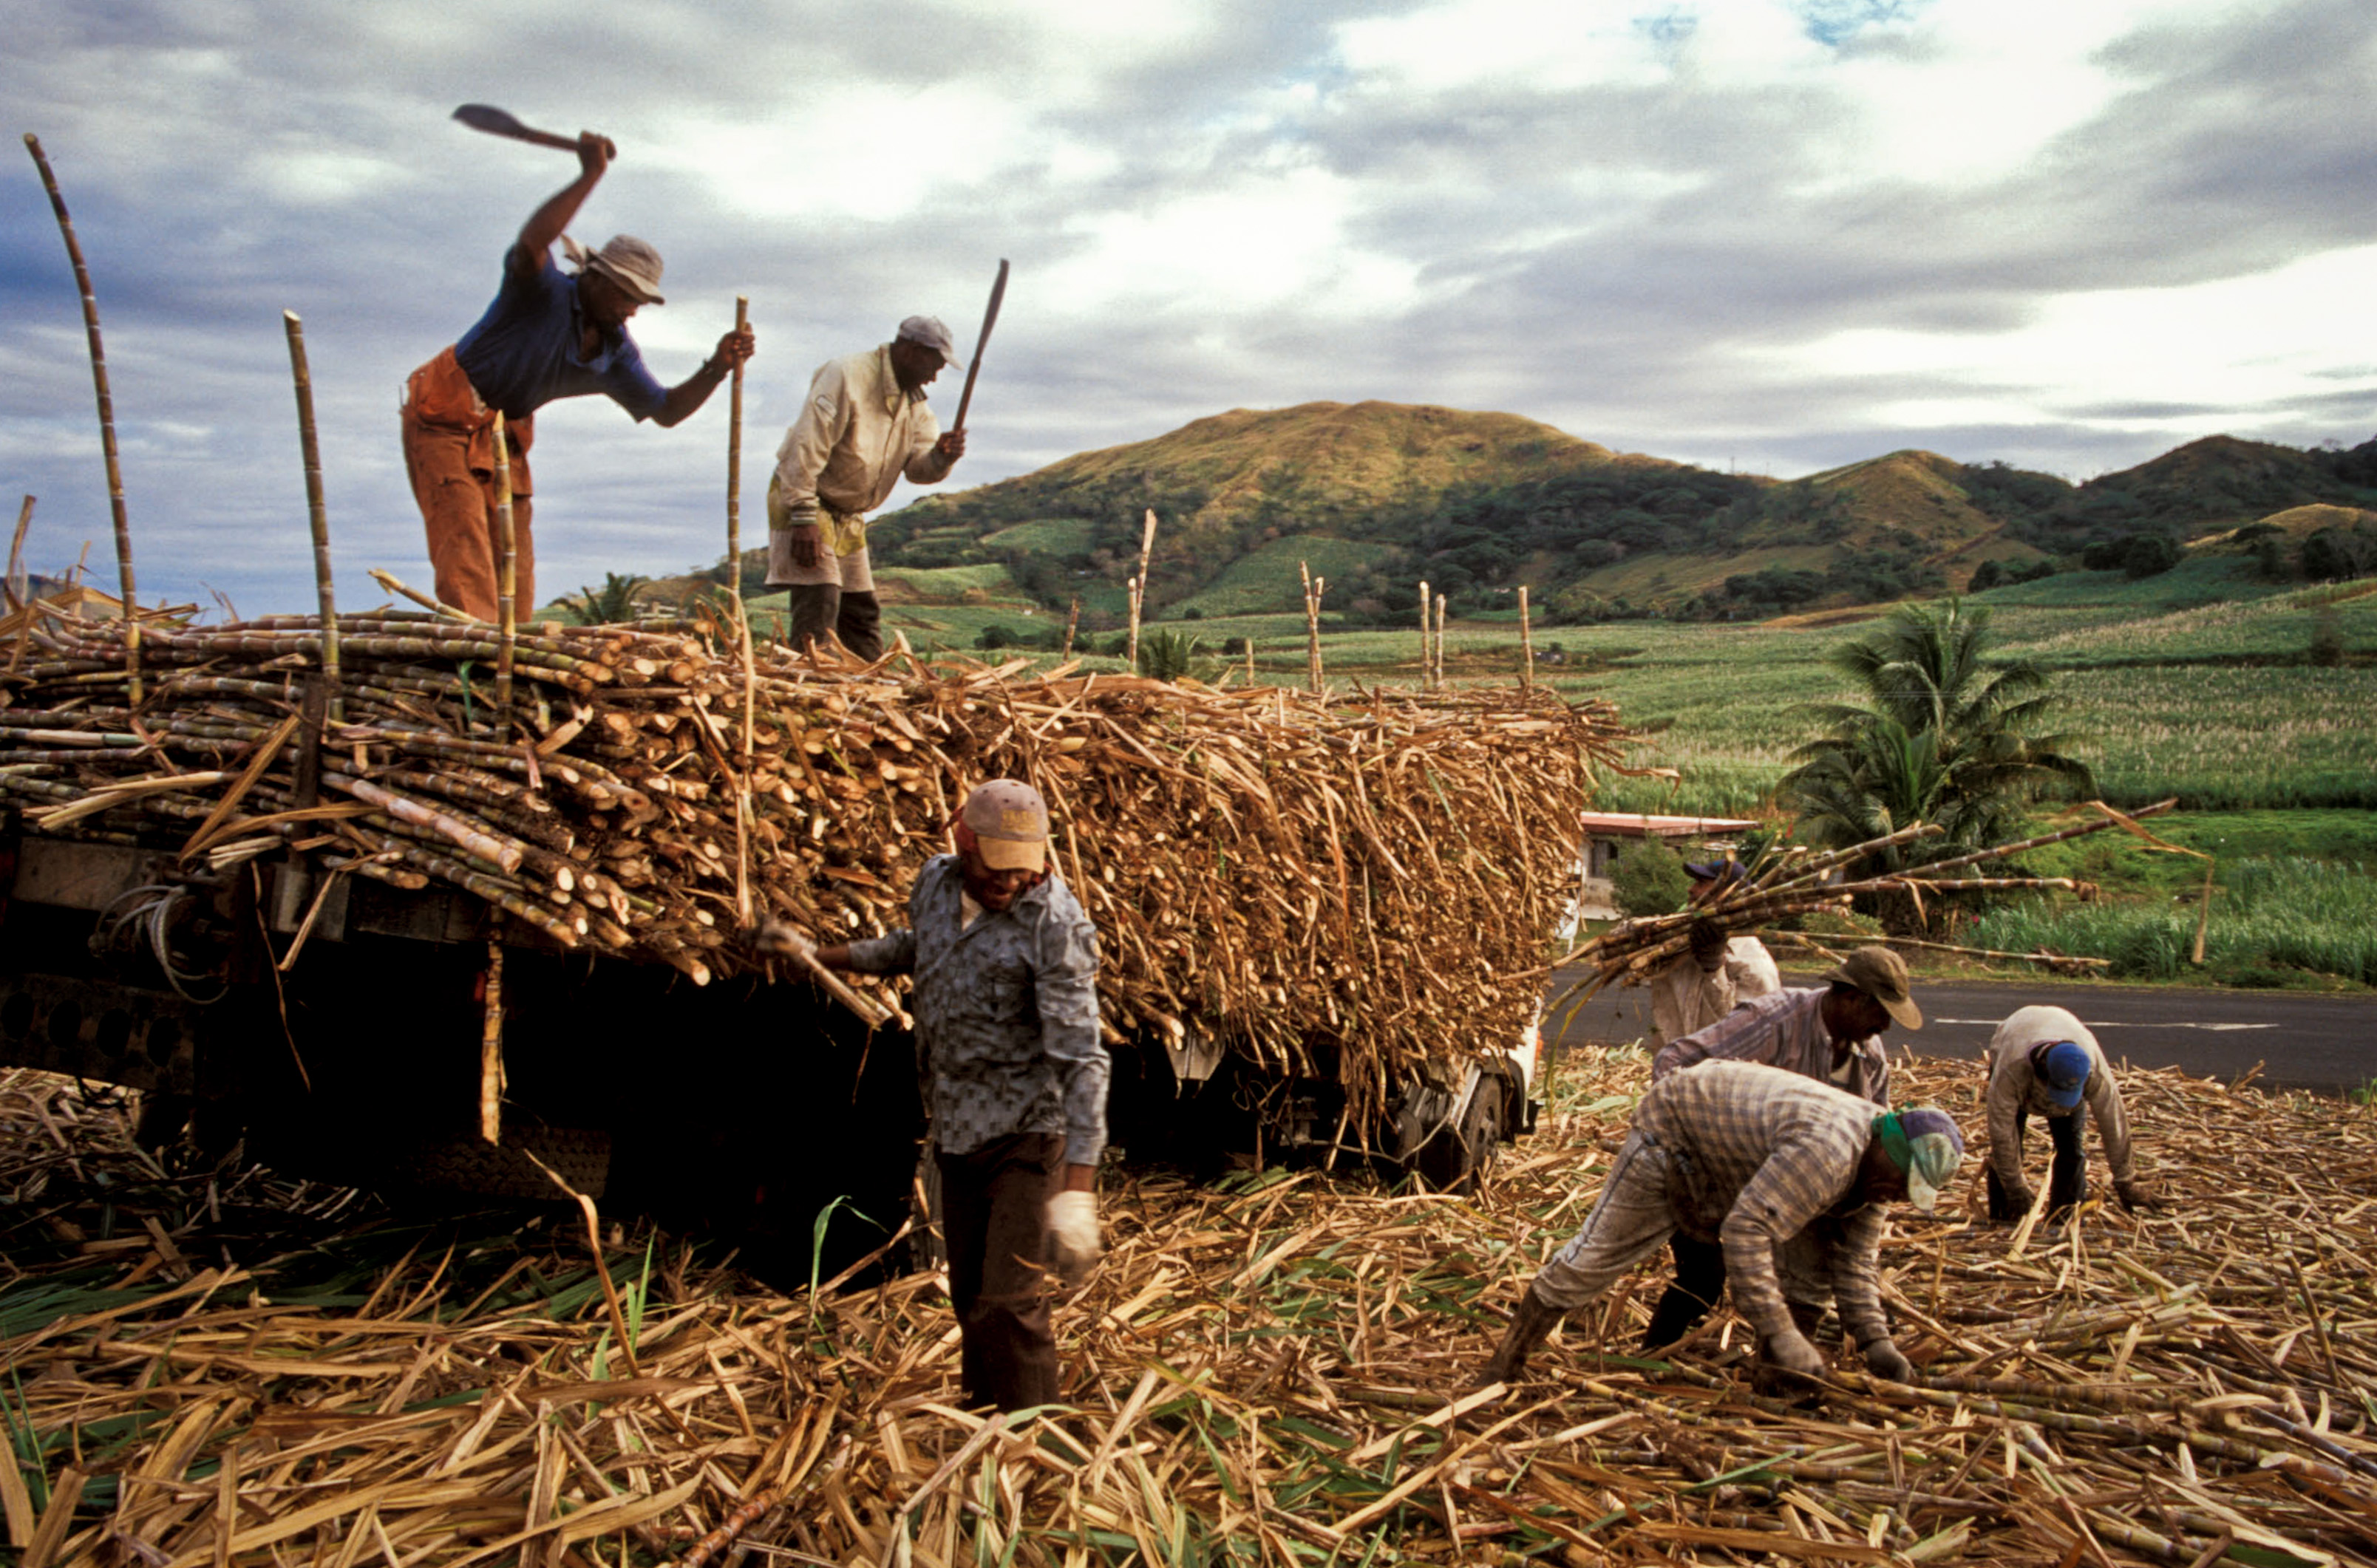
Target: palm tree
x=614 y=603
x=1946 y=735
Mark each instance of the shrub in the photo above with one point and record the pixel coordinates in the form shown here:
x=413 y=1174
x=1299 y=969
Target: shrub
x=994 y=637
x=1648 y=879
x=2326 y=639
x=2148 y=554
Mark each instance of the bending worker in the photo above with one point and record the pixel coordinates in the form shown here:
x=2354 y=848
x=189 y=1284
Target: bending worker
x=2044 y=1061
x=1006 y=967
x=1831 y=1033
x=1749 y=1156
x=864 y=427
x=549 y=334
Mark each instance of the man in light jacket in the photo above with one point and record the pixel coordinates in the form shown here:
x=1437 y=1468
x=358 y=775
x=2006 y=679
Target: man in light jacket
x=2043 y=1061
x=863 y=428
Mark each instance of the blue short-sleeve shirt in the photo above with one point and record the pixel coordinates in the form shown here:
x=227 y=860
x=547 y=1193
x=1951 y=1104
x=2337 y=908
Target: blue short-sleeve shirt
x=523 y=353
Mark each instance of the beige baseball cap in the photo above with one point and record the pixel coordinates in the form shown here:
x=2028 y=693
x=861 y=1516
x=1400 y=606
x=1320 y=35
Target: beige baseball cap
x=934 y=334
x=1010 y=824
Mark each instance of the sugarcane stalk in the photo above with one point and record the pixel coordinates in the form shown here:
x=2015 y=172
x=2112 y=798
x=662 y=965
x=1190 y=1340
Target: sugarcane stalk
x=507 y=577
x=106 y=418
x=317 y=510
x=1139 y=584
x=1526 y=643
x=1313 y=588
x=18 y=586
x=491 y=1050
x=389 y=582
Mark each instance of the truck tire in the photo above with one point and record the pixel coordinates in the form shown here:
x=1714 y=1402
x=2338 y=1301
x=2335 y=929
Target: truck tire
x=579 y=1156
x=1451 y=1160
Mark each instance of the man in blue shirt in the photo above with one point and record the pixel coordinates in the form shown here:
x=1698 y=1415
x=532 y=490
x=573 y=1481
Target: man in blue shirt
x=1015 y=1074
x=549 y=334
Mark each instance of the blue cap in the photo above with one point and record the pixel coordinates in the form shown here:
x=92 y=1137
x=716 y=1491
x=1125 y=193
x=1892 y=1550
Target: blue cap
x=2062 y=1071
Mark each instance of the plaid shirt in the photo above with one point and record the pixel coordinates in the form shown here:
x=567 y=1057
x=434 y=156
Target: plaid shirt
x=1783 y=1029
x=1007 y=1014
x=2014 y=1087
x=1757 y=1155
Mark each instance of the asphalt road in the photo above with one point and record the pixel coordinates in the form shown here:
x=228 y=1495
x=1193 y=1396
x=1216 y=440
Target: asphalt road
x=2327 y=1044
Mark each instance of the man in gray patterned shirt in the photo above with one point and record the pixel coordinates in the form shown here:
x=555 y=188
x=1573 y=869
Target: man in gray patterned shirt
x=1014 y=1078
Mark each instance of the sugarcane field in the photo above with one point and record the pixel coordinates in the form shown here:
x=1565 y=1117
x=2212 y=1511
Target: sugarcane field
x=1194 y=1005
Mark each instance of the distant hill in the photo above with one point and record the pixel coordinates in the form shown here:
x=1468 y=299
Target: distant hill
x=1379 y=496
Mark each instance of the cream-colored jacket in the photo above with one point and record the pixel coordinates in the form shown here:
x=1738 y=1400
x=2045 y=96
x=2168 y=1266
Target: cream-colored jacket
x=857 y=435
x=1685 y=1000
x=2013 y=1087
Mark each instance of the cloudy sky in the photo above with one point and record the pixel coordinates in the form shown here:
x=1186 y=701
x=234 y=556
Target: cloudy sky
x=1769 y=235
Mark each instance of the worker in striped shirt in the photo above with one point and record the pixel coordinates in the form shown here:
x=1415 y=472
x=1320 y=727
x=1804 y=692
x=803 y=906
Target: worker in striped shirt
x=1831 y=1033
x=1750 y=1156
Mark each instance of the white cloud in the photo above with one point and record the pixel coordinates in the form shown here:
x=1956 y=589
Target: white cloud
x=2221 y=348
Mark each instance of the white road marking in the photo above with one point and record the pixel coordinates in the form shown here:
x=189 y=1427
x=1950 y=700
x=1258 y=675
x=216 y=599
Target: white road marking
x=2122 y=1024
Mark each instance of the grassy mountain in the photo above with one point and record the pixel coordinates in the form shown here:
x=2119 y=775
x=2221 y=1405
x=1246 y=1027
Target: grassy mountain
x=1377 y=497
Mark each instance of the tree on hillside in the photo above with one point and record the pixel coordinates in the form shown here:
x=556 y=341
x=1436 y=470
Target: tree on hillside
x=1945 y=735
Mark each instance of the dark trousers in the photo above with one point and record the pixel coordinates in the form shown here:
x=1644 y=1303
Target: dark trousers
x=1700 y=1280
x=994 y=1218
x=819 y=609
x=2067 y=1178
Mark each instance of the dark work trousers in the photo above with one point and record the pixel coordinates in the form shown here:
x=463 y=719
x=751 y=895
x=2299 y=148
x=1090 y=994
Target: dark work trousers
x=817 y=609
x=1700 y=1280
x=995 y=1217
x=2067 y=1178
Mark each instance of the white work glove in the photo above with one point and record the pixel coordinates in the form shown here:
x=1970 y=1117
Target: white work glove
x=777 y=939
x=1885 y=1359
x=1791 y=1352
x=1073 y=1234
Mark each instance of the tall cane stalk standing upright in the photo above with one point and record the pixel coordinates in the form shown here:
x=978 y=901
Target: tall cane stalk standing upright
x=506 y=579
x=1138 y=586
x=1313 y=588
x=317 y=512
x=106 y=419
x=1526 y=643
x=742 y=624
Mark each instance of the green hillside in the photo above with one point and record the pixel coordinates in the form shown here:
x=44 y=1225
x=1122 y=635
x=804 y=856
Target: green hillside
x=1378 y=497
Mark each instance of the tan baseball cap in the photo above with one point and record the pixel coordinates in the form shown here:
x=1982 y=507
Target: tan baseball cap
x=1881 y=974
x=1010 y=824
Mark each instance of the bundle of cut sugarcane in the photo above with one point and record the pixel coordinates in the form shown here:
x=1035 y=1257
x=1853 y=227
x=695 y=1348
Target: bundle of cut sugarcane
x=1359 y=879
x=1788 y=879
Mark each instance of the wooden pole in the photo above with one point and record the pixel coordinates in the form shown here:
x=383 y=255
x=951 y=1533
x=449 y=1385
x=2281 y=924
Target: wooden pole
x=317 y=512
x=507 y=577
x=1427 y=662
x=734 y=465
x=1526 y=643
x=106 y=419
x=20 y=586
x=1313 y=588
x=1139 y=583
x=1072 y=622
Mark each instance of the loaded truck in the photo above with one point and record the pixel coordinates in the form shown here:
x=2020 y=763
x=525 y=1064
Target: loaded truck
x=339 y=1027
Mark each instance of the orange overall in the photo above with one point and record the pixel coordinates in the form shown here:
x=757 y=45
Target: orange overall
x=449 y=452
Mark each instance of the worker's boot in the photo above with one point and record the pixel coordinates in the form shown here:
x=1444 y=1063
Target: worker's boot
x=1530 y=1326
x=1678 y=1312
